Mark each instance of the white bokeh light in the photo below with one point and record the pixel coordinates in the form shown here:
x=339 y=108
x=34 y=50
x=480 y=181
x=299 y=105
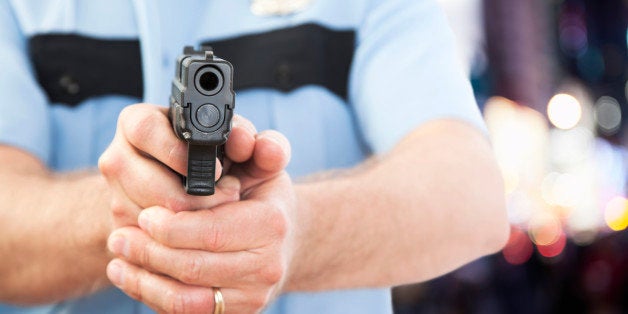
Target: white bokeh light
x=564 y=111
x=608 y=115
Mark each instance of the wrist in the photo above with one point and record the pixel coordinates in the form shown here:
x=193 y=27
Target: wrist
x=299 y=270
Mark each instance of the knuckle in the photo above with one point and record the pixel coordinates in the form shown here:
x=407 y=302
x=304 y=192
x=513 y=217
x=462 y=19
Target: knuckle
x=137 y=131
x=127 y=116
x=214 y=238
x=104 y=162
x=272 y=273
x=119 y=212
x=117 y=208
x=145 y=253
x=126 y=113
x=182 y=302
x=163 y=231
x=109 y=164
x=192 y=270
x=139 y=125
x=175 y=154
x=258 y=301
x=137 y=289
x=178 y=302
x=172 y=158
x=278 y=222
x=177 y=203
x=280 y=225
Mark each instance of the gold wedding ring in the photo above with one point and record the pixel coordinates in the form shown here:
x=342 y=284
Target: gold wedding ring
x=219 y=302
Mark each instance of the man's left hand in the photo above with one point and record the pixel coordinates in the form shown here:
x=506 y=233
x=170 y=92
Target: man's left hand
x=175 y=259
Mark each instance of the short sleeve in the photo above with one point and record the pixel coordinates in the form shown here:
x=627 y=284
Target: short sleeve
x=24 y=119
x=406 y=72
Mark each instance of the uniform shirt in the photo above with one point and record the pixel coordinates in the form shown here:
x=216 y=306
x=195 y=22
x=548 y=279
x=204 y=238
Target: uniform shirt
x=404 y=73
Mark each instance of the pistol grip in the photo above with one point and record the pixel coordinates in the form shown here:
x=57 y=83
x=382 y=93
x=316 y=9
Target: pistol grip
x=201 y=169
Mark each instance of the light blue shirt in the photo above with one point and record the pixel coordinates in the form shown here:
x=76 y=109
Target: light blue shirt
x=404 y=73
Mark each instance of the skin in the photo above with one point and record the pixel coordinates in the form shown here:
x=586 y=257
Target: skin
x=434 y=203
x=50 y=220
x=42 y=233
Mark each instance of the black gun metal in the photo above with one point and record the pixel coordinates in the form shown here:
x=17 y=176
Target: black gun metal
x=202 y=102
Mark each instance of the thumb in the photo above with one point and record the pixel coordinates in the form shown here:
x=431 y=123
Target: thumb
x=270 y=157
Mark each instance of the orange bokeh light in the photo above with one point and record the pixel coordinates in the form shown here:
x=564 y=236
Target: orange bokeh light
x=545 y=229
x=554 y=249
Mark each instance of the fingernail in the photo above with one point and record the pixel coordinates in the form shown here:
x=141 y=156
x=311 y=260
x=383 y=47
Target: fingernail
x=119 y=245
x=115 y=273
x=275 y=137
x=271 y=137
x=144 y=220
x=278 y=139
x=247 y=126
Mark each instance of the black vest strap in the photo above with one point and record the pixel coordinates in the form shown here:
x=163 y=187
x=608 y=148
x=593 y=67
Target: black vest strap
x=289 y=58
x=72 y=67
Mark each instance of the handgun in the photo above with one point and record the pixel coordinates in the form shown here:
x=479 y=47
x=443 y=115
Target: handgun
x=202 y=101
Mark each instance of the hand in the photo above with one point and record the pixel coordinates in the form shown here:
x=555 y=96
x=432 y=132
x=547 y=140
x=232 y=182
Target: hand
x=143 y=160
x=244 y=248
x=256 y=160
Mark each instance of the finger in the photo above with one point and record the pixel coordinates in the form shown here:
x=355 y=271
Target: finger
x=160 y=293
x=241 y=142
x=147 y=182
x=271 y=155
x=195 y=267
x=124 y=212
x=166 y=295
x=233 y=227
x=150 y=183
x=272 y=152
x=148 y=129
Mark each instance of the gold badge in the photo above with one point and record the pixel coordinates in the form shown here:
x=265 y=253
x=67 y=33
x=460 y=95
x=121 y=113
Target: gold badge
x=278 y=7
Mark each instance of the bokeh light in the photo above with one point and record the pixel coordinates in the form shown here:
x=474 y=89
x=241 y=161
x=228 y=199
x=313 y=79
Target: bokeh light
x=565 y=190
x=519 y=248
x=570 y=148
x=616 y=213
x=544 y=229
x=608 y=115
x=519 y=136
x=583 y=237
x=548 y=187
x=555 y=248
x=564 y=163
x=564 y=111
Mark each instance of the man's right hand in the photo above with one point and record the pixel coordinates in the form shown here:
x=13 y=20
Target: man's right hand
x=144 y=162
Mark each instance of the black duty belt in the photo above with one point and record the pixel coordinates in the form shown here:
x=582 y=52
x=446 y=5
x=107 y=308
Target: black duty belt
x=72 y=67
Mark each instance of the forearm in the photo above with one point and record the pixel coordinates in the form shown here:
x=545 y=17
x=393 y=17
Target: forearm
x=434 y=203
x=53 y=230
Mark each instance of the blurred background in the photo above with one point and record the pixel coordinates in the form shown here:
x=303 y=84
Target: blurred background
x=551 y=77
